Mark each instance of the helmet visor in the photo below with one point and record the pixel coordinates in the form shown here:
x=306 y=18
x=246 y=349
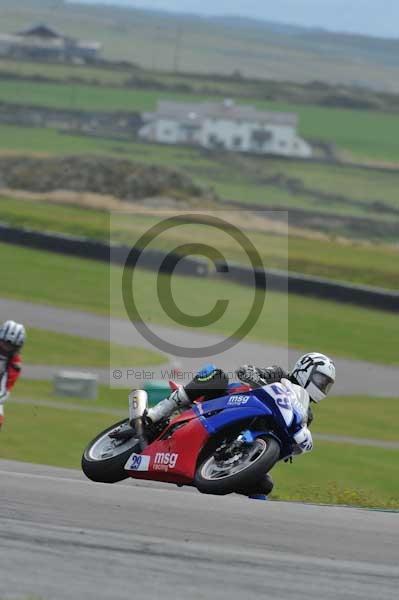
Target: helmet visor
x=7 y=347
x=322 y=382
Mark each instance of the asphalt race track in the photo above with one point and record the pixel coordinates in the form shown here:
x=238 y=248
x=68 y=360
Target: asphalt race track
x=353 y=377
x=63 y=537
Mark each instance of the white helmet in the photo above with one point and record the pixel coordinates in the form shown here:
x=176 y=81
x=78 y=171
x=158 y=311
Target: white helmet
x=315 y=373
x=13 y=333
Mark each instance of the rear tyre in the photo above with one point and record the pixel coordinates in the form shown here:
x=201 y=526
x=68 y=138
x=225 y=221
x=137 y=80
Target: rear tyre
x=104 y=459
x=240 y=472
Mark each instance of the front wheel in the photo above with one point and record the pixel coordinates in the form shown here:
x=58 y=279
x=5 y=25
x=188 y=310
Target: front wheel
x=238 y=470
x=104 y=458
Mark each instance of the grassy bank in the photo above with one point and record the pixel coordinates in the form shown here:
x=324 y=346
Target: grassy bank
x=354 y=262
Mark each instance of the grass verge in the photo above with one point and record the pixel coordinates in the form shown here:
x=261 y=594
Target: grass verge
x=46 y=435
x=355 y=416
x=358 y=416
x=108 y=398
x=340 y=474
x=49 y=348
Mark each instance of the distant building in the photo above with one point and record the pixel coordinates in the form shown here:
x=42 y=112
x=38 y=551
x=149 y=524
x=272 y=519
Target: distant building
x=225 y=125
x=42 y=42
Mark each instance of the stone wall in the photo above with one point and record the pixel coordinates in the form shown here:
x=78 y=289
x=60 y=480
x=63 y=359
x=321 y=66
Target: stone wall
x=121 y=124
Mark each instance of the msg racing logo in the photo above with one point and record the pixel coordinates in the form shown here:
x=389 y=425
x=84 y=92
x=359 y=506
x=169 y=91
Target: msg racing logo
x=165 y=460
x=238 y=400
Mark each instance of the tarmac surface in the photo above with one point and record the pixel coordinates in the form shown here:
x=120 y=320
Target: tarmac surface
x=353 y=377
x=64 y=537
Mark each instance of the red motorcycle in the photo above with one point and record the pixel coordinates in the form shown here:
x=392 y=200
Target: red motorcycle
x=219 y=446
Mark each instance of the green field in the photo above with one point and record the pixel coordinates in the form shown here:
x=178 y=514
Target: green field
x=356 y=190
x=295 y=321
x=332 y=473
x=365 y=264
x=365 y=134
x=66 y=72
x=230 y=86
x=49 y=348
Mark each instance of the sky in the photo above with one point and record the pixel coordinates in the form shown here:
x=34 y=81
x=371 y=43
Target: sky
x=371 y=17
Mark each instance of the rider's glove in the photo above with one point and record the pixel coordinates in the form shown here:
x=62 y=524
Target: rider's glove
x=258 y=377
x=249 y=374
x=304 y=441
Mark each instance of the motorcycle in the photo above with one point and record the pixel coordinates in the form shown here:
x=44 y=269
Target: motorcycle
x=219 y=446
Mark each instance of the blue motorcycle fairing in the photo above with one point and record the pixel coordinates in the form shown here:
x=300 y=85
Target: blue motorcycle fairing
x=229 y=409
x=216 y=414
x=266 y=398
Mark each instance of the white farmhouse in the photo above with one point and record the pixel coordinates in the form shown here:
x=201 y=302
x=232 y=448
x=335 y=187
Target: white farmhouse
x=225 y=125
x=42 y=42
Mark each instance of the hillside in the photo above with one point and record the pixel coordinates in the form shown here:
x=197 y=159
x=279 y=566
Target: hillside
x=169 y=42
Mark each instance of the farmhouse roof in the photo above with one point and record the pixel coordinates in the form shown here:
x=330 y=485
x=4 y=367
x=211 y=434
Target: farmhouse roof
x=41 y=31
x=42 y=36
x=196 y=112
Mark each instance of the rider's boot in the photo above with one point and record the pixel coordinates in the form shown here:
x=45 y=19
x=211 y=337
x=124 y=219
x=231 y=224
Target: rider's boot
x=164 y=409
x=153 y=416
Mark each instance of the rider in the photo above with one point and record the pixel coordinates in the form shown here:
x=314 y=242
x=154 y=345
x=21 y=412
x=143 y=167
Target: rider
x=12 y=338
x=311 y=379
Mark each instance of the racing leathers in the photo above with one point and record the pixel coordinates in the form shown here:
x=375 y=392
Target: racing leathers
x=10 y=369
x=212 y=382
x=257 y=377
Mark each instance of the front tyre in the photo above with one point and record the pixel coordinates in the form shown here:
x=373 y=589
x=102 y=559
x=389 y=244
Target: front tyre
x=227 y=474
x=104 y=458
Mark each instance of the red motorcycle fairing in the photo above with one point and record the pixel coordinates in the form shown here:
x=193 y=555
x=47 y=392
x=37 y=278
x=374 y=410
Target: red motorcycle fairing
x=172 y=457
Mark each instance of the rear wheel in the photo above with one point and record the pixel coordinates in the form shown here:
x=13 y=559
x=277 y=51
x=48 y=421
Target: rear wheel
x=237 y=467
x=104 y=458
